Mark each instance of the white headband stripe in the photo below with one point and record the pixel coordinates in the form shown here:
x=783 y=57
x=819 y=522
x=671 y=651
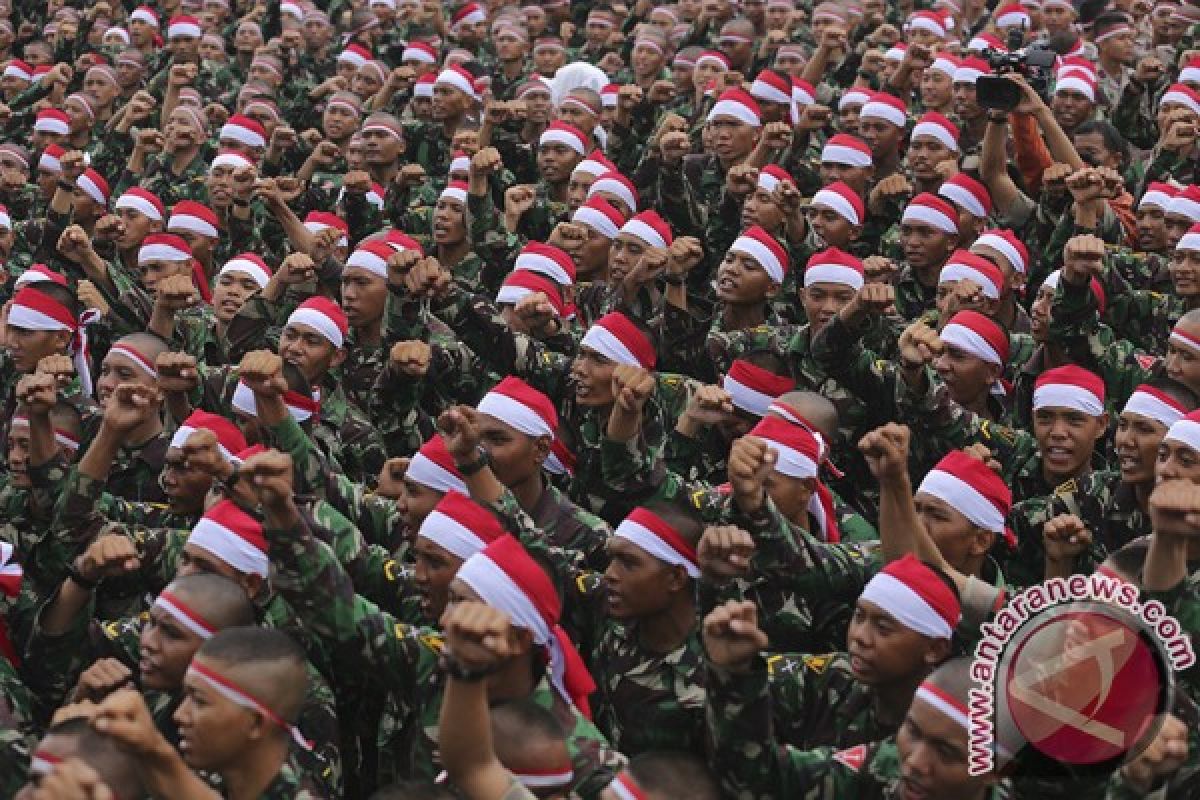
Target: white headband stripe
x=909 y=608
x=455 y=193
x=954 y=272
x=970 y=341
x=1155 y=198
x=604 y=342
x=186 y=222
x=544 y=265
x=51 y=125
x=766 y=259
x=792 y=462
x=964 y=498
x=944 y=66
x=838 y=203
x=183 y=29
x=853 y=98
x=739 y=111
x=139 y=204
x=596 y=220
x=833 y=273
x=747 y=399
x=417 y=54
x=926 y=24
x=384 y=129
x=364 y=259
x=772 y=94
x=449 y=77
x=967 y=75
x=318 y=322
x=184 y=431
x=226 y=545
x=1177 y=336
x=161 y=252
x=1185 y=206
x=244 y=400
x=1005 y=248
x=615 y=187
x=638 y=228
x=1187 y=432
x=5 y=220
x=590 y=167
x=185 y=619
x=650 y=541
x=32 y=320
x=240 y=698
x=317 y=227
x=247 y=266
x=885 y=112
x=951 y=711
x=49 y=162
x=513 y=412
x=1061 y=395
x=1117 y=31
x=549 y=780
x=447 y=532
x=1014 y=18
x=137 y=358
x=1147 y=405
x=929 y=216
x=1189 y=241
x=840 y=154
x=961 y=196
x=242 y=135
x=938 y=132
x=90 y=189
x=1180 y=99
x=1075 y=83
x=233 y=160
x=512 y=294
x=768 y=182
x=426 y=472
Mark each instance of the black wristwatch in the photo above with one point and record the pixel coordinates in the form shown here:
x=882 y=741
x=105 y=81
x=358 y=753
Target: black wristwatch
x=79 y=580
x=455 y=669
x=482 y=459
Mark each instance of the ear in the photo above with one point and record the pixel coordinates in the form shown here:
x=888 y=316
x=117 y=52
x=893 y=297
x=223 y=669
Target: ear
x=64 y=340
x=773 y=289
x=937 y=652
x=1102 y=425
x=339 y=355
x=252 y=584
x=541 y=448
x=994 y=372
x=855 y=232
x=981 y=542
x=677 y=579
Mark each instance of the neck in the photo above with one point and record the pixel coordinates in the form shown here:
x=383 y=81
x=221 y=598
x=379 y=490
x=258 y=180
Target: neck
x=146 y=431
x=931 y=185
x=512 y=69
x=975 y=127
x=886 y=165
x=529 y=491
x=1006 y=312
x=556 y=191
x=1141 y=492
x=244 y=57
x=370 y=334
x=79 y=141
x=668 y=629
x=736 y=317
x=532 y=131
x=1111 y=66
x=450 y=126
x=892 y=700
x=451 y=254
x=514 y=680
x=979 y=405
x=383 y=173
x=181 y=158
x=255 y=770
x=1055 y=480
x=927 y=275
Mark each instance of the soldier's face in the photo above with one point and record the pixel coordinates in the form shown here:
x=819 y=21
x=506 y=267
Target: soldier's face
x=882 y=651
x=449 y=221
x=577 y=189
x=1137 y=441
x=1183 y=363
x=18 y=456
x=1176 y=226
x=1071 y=108
x=213 y=731
x=966 y=104
x=118 y=368
x=166 y=649
x=636 y=583
x=309 y=351
x=937 y=90
x=925 y=154
x=593 y=256
x=834 y=229
x=434 y=567
x=416 y=502
x=7 y=238
x=741 y=280
x=924 y=246
x=137 y=227
x=1151 y=229
x=732 y=140
x=1039 y=314
x=823 y=301
x=516 y=457
x=338 y=122
x=184 y=48
x=1185 y=272
x=28 y=347
x=1176 y=461
x=185 y=487
x=556 y=162
x=592 y=375
x=933 y=756
x=626 y=251
x=760 y=209
x=364 y=295
x=230 y=294
x=967 y=377
x=1066 y=438
x=960 y=543
x=856 y=178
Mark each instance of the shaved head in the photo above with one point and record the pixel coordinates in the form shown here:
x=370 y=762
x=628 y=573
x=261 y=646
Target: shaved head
x=219 y=600
x=267 y=663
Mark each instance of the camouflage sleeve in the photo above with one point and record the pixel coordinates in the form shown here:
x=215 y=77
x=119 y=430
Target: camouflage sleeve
x=16 y=730
x=314 y=583
x=631 y=468
x=1182 y=602
x=838 y=351
x=684 y=210
x=60 y=658
x=751 y=763
x=566 y=565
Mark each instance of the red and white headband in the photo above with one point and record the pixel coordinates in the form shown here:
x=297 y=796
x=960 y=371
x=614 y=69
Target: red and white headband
x=63 y=437
x=597 y=221
x=842 y=154
x=746 y=382
x=1077 y=84
x=653 y=534
x=1146 y=401
x=970 y=341
x=300 y=408
x=1005 y=247
x=760 y=252
x=643 y=231
x=606 y=343
x=854 y=97
x=956 y=271
x=614 y=187
x=928 y=215
x=455 y=79
x=564 y=137
x=739 y=111
x=908 y=607
x=240 y=697
x=91 y=189
x=227 y=545
x=1067 y=395
x=185 y=614
x=1116 y=30
x=140 y=204
x=939 y=132
x=945 y=703
x=885 y=111
x=1176 y=97
x=1184 y=339
x=370 y=261
x=161 y=251
x=429 y=473
x=964 y=498
x=138 y=358
x=183 y=28
x=839 y=203
x=1189 y=241
x=319 y=322
x=231 y=159
x=513 y=412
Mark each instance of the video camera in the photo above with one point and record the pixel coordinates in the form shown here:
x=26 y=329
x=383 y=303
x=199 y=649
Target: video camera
x=999 y=93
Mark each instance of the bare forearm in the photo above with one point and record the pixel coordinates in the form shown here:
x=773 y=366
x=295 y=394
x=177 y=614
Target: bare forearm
x=1166 y=562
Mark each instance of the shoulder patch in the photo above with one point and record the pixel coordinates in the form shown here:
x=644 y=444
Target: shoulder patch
x=1067 y=487
x=853 y=758
x=697 y=498
x=433 y=641
x=816 y=664
x=1145 y=361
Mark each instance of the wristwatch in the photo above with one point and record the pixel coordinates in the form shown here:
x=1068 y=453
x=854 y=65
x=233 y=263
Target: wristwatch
x=482 y=459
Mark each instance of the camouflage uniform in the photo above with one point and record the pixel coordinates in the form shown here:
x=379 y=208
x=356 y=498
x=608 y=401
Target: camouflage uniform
x=16 y=730
x=216 y=83
x=191 y=184
x=429 y=146
x=1108 y=508
x=136 y=469
x=752 y=765
x=404 y=659
x=913 y=298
